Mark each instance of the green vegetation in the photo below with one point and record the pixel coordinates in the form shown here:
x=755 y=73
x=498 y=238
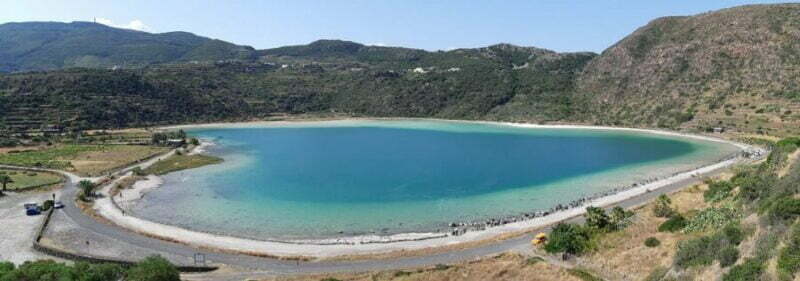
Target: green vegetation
x=180 y=162
x=82 y=159
x=153 y=268
x=87 y=189
x=789 y=258
x=718 y=190
x=54 y=158
x=675 y=223
x=23 y=179
x=704 y=250
x=663 y=207
x=652 y=242
x=751 y=269
x=576 y=239
x=85 y=44
x=710 y=218
x=583 y=274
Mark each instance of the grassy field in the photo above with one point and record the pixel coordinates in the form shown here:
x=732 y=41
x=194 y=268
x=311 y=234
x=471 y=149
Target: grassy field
x=90 y=160
x=24 y=179
x=181 y=162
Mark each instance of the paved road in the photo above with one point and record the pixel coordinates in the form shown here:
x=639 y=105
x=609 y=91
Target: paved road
x=275 y=266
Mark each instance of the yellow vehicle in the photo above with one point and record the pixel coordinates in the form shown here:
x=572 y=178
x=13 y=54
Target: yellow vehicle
x=539 y=239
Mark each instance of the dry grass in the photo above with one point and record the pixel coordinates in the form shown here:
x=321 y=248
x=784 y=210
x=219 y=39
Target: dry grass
x=503 y=267
x=623 y=256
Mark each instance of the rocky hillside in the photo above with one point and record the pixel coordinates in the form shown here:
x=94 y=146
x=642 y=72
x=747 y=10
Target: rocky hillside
x=53 y=45
x=737 y=67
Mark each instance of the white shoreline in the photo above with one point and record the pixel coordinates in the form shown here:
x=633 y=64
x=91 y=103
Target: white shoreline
x=369 y=244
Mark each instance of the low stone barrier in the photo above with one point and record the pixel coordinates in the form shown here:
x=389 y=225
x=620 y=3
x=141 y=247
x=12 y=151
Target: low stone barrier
x=92 y=258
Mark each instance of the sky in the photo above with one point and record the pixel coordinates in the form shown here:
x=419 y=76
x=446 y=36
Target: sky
x=560 y=25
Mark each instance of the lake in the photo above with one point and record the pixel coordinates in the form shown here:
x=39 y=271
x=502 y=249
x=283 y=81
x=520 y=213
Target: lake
x=311 y=180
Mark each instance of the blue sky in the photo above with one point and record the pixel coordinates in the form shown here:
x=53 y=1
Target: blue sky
x=427 y=24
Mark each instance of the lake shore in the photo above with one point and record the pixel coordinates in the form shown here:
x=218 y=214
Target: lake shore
x=408 y=241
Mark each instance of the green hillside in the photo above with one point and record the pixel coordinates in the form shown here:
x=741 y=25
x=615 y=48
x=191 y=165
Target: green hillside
x=51 y=45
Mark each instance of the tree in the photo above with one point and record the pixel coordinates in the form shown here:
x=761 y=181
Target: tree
x=87 y=187
x=596 y=218
x=619 y=217
x=153 y=268
x=567 y=238
x=662 y=209
x=5 y=180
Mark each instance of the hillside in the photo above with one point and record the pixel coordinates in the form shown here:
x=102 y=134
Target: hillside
x=461 y=84
x=737 y=68
x=52 y=45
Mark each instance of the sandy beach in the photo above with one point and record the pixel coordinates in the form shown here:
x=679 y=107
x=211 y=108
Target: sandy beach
x=370 y=244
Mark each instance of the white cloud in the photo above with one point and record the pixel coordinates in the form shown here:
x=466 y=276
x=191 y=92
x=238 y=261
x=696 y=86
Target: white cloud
x=134 y=24
x=379 y=44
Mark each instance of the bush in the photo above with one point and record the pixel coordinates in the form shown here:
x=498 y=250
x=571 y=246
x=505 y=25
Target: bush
x=710 y=218
x=784 y=209
x=748 y=271
x=652 y=242
x=695 y=252
x=789 y=257
x=662 y=208
x=596 y=218
x=717 y=191
x=728 y=256
x=567 y=238
x=675 y=223
x=153 y=268
x=47 y=205
x=5 y=268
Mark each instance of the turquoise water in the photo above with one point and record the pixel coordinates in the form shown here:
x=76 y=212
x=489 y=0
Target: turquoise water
x=328 y=179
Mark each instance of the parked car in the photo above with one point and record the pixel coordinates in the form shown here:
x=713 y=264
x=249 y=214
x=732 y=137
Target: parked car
x=33 y=212
x=58 y=205
x=32 y=209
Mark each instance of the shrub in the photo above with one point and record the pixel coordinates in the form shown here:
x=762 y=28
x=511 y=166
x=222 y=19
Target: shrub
x=583 y=274
x=596 y=218
x=567 y=238
x=717 y=191
x=662 y=208
x=673 y=224
x=695 y=252
x=5 y=268
x=533 y=260
x=153 y=268
x=47 y=205
x=789 y=257
x=748 y=271
x=728 y=256
x=710 y=218
x=733 y=233
x=652 y=242
x=785 y=208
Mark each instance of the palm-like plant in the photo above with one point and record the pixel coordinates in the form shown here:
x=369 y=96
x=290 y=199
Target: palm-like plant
x=87 y=187
x=5 y=180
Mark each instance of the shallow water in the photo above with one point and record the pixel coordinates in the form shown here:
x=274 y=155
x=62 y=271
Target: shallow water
x=328 y=179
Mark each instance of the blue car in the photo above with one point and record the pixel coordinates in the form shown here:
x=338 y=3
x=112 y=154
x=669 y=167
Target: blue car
x=32 y=209
x=33 y=212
